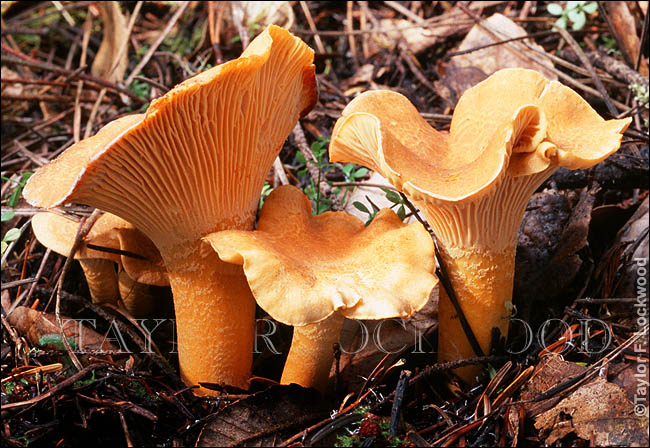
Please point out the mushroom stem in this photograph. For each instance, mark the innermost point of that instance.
(481, 272)
(101, 278)
(482, 281)
(312, 352)
(215, 321)
(136, 297)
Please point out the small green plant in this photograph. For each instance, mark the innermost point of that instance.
(253, 28)
(10, 236)
(640, 94)
(14, 197)
(319, 149)
(576, 12)
(610, 45)
(266, 191)
(140, 89)
(392, 196)
(83, 383)
(54, 340)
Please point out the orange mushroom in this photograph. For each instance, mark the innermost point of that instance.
(193, 164)
(508, 134)
(312, 271)
(139, 261)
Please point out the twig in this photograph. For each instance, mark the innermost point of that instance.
(501, 42)
(317, 39)
(62, 385)
(587, 64)
(443, 276)
(350, 27)
(26, 60)
(84, 227)
(136, 71)
(401, 9)
(402, 384)
(15, 283)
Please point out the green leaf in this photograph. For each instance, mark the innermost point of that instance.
(401, 212)
(361, 172)
(347, 169)
(578, 19)
(359, 206)
(300, 157)
(554, 9)
(590, 7)
(561, 22)
(393, 197)
(573, 5)
(8, 215)
(4, 247)
(11, 235)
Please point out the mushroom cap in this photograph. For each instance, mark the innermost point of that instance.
(143, 262)
(196, 161)
(302, 268)
(515, 122)
(58, 232)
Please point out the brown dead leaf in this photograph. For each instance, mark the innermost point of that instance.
(551, 371)
(34, 325)
(416, 38)
(625, 28)
(599, 412)
(266, 418)
(634, 237)
(488, 60)
(562, 268)
(111, 60)
(633, 376)
(546, 215)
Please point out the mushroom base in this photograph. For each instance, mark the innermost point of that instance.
(483, 282)
(101, 278)
(215, 322)
(136, 297)
(312, 353)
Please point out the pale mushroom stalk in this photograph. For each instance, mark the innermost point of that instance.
(101, 278)
(311, 272)
(136, 297)
(508, 134)
(193, 164)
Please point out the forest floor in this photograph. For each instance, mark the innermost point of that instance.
(574, 369)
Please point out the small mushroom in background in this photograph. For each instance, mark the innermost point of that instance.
(312, 271)
(139, 261)
(508, 134)
(193, 164)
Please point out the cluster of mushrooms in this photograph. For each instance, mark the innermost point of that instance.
(181, 184)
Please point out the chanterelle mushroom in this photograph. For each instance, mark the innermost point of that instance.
(194, 164)
(508, 134)
(312, 271)
(139, 261)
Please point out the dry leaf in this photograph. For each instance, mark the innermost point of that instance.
(624, 25)
(488, 60)
(554, 277)
(265, 418)
(415, 38)
(541, 229)
(634, 237)
(107, 65)
(34, 325)
(599, 412)
(263, 13)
